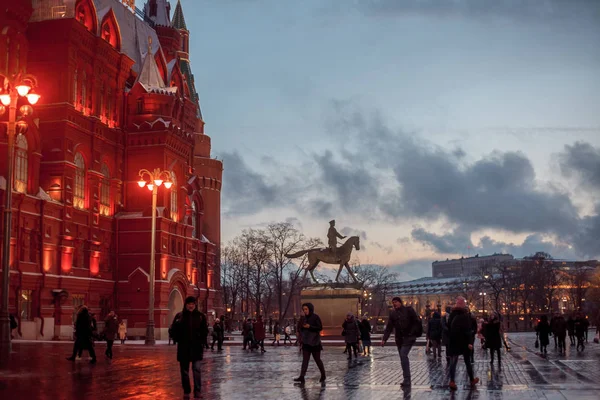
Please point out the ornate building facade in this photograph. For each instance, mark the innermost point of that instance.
(118, 95)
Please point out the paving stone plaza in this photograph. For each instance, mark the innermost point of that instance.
(40, 371)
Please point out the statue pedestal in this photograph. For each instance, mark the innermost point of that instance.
(332, 304)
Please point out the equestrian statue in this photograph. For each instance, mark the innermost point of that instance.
(331, 255)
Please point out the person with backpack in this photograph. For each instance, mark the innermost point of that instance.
(462, 337)
(408, 327)
(434, 331)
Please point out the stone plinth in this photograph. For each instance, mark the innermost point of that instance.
(332, 304)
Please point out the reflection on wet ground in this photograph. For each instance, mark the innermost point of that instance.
(40, 371)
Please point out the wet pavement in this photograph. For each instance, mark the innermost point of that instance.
(40, 371)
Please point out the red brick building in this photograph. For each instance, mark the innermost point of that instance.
(118, 95)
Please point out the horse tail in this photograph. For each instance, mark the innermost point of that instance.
(298, 254)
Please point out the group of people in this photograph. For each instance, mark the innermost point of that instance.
(357, 336)
(86, 332)
(254, 334)
(576, 327)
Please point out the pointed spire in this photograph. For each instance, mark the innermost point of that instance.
(150, 76)
(178, 21)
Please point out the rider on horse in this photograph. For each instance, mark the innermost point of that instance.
(332, 236)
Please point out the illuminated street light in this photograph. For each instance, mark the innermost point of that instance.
(155, 179)
(11, 90)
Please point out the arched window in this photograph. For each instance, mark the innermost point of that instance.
(75, 93)
(21, 163)
(174, 188)
(100, 111)
(110, 30)
(194, 220)
(84, 90)
(105, 191)
(109, 103)
(79, 189)
(86, 14)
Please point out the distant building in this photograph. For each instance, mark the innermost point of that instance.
(467, 266)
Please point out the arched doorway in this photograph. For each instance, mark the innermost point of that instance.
(175, 305)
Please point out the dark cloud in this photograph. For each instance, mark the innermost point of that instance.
(459, 242)
(347, 231)
(352, 183)
(394, 176)
(582, 160)
(453, 242)
(244, 190)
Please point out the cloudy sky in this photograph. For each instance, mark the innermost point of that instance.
(431, 128)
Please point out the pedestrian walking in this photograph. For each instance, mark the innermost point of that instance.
(581, 327)
(407, 326)
(84, 332)
(351, 333)
(553, 328)
(365, 335)
(434, 331)
(287, 332)
(259, 333)
(571, 329)
(276, 333)
(446, 332)
(248, 335)
(543, 332)
(122, 332)
(462, 337)
(492, 332)
(111, 326)
(190, 331)
(560, 330)
(13, 325)
(217, 335)
(311, 342)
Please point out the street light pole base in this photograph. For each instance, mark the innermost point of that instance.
(150, 341)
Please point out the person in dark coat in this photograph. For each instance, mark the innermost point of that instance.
(581, 327)
(462, 337)
(446, 331)
(543, 332)
(407, 326)
(351, 335)
(111, 327)
(492, 332)
(311, 341)
(190, 330)
(259, 333)
(365, 335)
(13, 325)
(552, 328)
(434, 332)
(83, 331)
(248, 335)
(276, 333)
(217, 335)
(560, 330)
(571, 329)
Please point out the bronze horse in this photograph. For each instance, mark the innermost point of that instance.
(315, 256)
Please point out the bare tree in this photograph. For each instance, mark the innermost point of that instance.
(378, 280)
(283, 239)
(232, 275)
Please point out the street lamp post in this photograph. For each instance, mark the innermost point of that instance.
(12, 89)
(155, 179)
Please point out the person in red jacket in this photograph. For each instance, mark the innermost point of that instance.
(259, 333)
